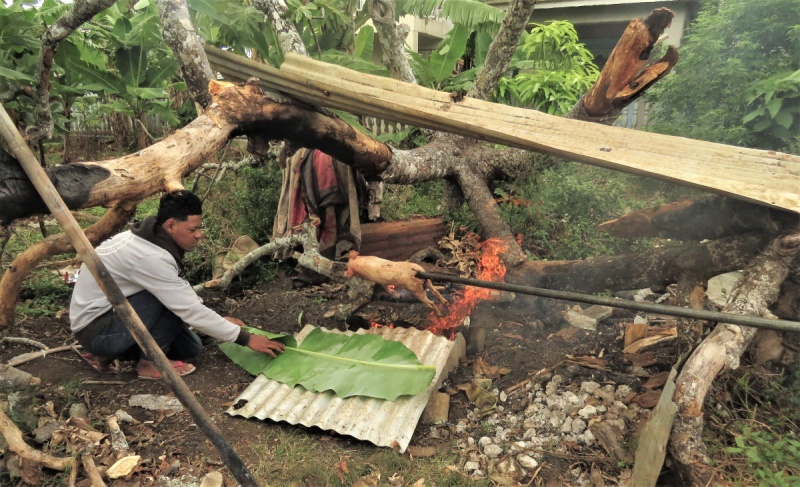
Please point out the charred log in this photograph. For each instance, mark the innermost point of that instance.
(711, 217)
(655, 268)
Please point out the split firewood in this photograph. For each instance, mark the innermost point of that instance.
(758, 287)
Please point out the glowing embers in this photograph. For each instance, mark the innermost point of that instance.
(490, 268)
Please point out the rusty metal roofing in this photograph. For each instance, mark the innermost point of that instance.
(384, 423)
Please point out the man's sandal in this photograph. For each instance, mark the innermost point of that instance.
(176, 365)
(103, 369)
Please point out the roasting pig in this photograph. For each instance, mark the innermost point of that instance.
(392, 275)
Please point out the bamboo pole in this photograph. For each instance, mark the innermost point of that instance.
(81, 243)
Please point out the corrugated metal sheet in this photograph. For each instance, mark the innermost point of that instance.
(381, 422)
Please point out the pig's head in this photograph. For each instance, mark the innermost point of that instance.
(353, 254)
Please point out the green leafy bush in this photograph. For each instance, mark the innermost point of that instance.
(736, 80)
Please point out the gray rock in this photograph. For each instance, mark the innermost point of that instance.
(589, 387)
(527, 462)
(503, 396)
(598, 312)
(639, 320)
(578, 426)
(485, 441)
(579, 320)
(492, 451)
(551, 388)
(479, 474)
(471, 466)
(566, 427)
(587, 412)
(622, 392)
(529, 433)
(471, 441)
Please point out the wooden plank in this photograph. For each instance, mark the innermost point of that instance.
(763, 177)
(382, 239)
(653, 442)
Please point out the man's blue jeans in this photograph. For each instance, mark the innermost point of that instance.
(168, 330)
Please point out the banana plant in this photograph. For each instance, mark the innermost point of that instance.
(143, 67)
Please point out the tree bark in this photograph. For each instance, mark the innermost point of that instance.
(11, 282)
(655, 268)
(502, 49)
(180, 36)
(710, 217)
(392, 37)
(621, 82)
(81, 11)
(757, 289)
(276, 11)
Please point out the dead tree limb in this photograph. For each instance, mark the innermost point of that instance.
(502, 49)
(392, 37)
(16, 444)
(757, 289)
(654, 268)
(622, 79)
(11, 282)
(225, 280)
(710, 217)
(277, 12)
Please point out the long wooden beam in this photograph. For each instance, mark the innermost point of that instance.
(764, 177)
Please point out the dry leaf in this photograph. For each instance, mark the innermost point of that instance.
(419, 483)
(656, 381)
(511, 335)
(422, 451)
(634, 333)
(482, 368)
(396, 480)
(479, 396)
(341, 470)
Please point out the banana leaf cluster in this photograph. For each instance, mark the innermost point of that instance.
(356, 365)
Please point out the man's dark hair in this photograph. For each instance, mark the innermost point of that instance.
(179, 205)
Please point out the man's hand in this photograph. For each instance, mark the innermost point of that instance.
(260, 343)
(235, 321)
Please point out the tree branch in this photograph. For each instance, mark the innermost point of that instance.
(622, 80)
(180, 36)
(81, 11)
(502, 49)
(392, 37)
(276, 11)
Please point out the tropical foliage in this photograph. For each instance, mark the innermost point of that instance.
(356, 365)
(737, 81)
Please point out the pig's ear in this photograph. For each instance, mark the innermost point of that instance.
(353, 254)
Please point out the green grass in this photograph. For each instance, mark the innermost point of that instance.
(287, 456)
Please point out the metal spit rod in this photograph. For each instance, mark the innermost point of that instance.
(698, 314)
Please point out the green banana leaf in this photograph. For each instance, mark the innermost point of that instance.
(250, 360)
(357, 365)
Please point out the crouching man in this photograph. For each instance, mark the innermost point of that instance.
(147, 264)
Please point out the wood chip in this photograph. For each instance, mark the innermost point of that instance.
(657, 381)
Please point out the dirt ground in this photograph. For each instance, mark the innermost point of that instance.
(174, 452)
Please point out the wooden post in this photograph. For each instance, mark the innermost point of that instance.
(53, 200)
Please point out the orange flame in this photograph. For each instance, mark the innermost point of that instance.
(490, 268)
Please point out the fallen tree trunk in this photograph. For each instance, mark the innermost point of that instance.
(654, 268)
(11, 282)
(757, 289)
(711, 217)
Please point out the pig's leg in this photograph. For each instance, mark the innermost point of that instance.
(416, 288)
(429, 285)
(390, 289)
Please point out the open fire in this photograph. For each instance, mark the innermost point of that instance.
(490, 268)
